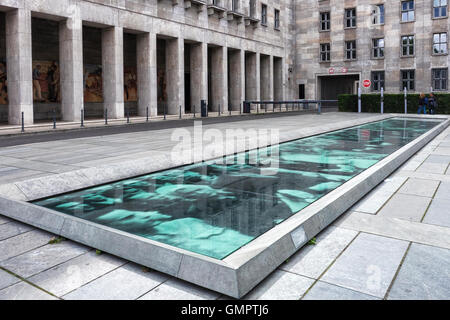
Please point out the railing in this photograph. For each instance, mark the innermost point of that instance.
(293, 105)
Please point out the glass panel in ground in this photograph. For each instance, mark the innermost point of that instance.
(214, 209)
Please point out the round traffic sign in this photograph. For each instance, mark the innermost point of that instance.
(367, 83)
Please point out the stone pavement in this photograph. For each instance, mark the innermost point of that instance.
(393, 244)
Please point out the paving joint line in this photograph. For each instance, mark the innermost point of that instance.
(330, 265)
(388, 291)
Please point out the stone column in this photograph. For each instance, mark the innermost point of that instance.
(199, 74)
(237, 78)
(266, 78)
(175, 75)
(252, 77)
(278, 79)
(71, 68)
(19, 66)
(113, 72)
(147, 74)
(219, 78)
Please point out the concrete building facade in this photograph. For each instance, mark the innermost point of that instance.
(394, 44)
(129, 56)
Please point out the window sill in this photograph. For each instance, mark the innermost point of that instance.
(406, 57)
(350, 28)
(264, 24)
(379, 58)
(277, 29)
(323, 31)
(439, 54)
(378, 24)
(412, 21)
(439, 18)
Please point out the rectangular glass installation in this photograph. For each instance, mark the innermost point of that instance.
(215, 209)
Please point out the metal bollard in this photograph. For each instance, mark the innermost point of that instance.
(319, 107)
(229, 109)
(147, 114)
(359, 100)
(164, 107)
(128, 115)
(219, 109)
(106, 117)
(23, 122)
(194, 112)
(240, 108)
(382, 101)
(82, 118)
(180, 112)
(54, 119)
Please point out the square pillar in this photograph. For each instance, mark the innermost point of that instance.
(175, 75)
(266, 78)
(19, 66)
(219, 78)
(199, 75)
(237, 78)
(112, 62)
(71, 68)
(252, 77)
(147, 74)
(278, 79)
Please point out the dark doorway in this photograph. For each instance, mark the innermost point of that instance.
(187, 92)
(330, 87)
(301, 91)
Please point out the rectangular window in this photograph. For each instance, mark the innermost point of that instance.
(350, 50)
(378, 48)
(325, 52)
(324, 21)
(440, 79)
(378, 14)
(407, 11)
(407, 46)
(264, 14)
(277, 19)
(440, 43)
(377, 80)
(350, 18)
(408, 80)
(439, 8)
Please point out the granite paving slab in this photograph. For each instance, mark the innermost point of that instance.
(420, 187)
(43, 258)
(313, 260)
(432, 167)
(13, 228)
(281, 285)
(443, 191)
(4, 219)
(7, 279)
(326, 291)
(124, 283)
(424, 275)
(368, 265)
(22, 243)
(438, 213)
(174, 289)
(408, 207)
(24, 291)
(75, 273)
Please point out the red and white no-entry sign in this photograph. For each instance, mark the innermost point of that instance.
(367, 83)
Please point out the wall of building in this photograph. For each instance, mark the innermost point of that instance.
(308, 39)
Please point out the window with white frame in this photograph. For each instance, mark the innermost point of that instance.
(439, 8)
(378, 48)
(350, 18)
(408, 79)
(408, 11)
(440, 79)
(325, 52)
(378, 14)
(440, 43)
(324, 21)
(407, 46)
(350, 50)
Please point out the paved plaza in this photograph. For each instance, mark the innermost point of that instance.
(393, 244)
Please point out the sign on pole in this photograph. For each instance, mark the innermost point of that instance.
(367, 83)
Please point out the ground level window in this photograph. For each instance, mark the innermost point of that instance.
(377, 80)
(408, 80)
(440, 79)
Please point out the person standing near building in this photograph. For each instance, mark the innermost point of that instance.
(37, 92)
(432, 104)
(422, 104)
